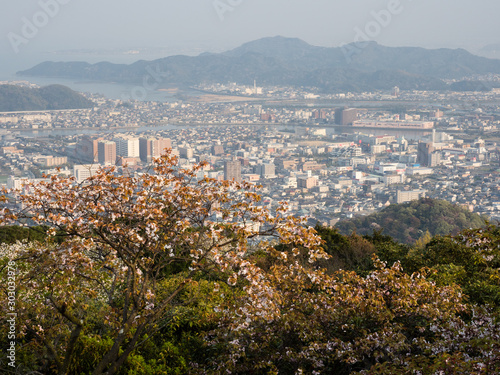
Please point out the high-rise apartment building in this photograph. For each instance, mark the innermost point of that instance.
(186, 152)
(346, 116)
(425, 151)
(232, 170)
(150, 148)
(127, 147)
(106, 152)
(87, 149)
(266, 170)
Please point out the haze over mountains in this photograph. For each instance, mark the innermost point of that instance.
(292, 62)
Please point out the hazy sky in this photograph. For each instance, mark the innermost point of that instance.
(192, 26)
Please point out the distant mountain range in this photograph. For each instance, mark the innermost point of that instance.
(17, 98)
(291, 62)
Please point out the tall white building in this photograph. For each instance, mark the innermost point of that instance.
(82, 172)
(266, 170)
(232, 170)
(408, 196)
(186, 152)
(127, 147)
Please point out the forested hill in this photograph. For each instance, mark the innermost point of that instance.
(408, 222)
(53, 97)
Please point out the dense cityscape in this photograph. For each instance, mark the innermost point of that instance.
(328, 160)
(249, 187)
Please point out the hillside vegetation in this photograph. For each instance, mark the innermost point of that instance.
(408, 222)
(53, 97)
(130, 274)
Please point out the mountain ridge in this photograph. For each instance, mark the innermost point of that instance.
(292, 62)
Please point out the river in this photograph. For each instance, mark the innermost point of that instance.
(44, 133)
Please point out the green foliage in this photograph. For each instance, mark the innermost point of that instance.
(90, 349)
(471, 259)
(347, 324)
(384, 321)
(351, 252)
(15, 233)
(365, 305)
(179, 339)
(387, 249)
(408, 222)
(424, 240)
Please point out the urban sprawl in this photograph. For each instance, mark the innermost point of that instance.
(330, 156)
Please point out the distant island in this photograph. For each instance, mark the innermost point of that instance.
(16, 98)
(293, 62)
(408, 222)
